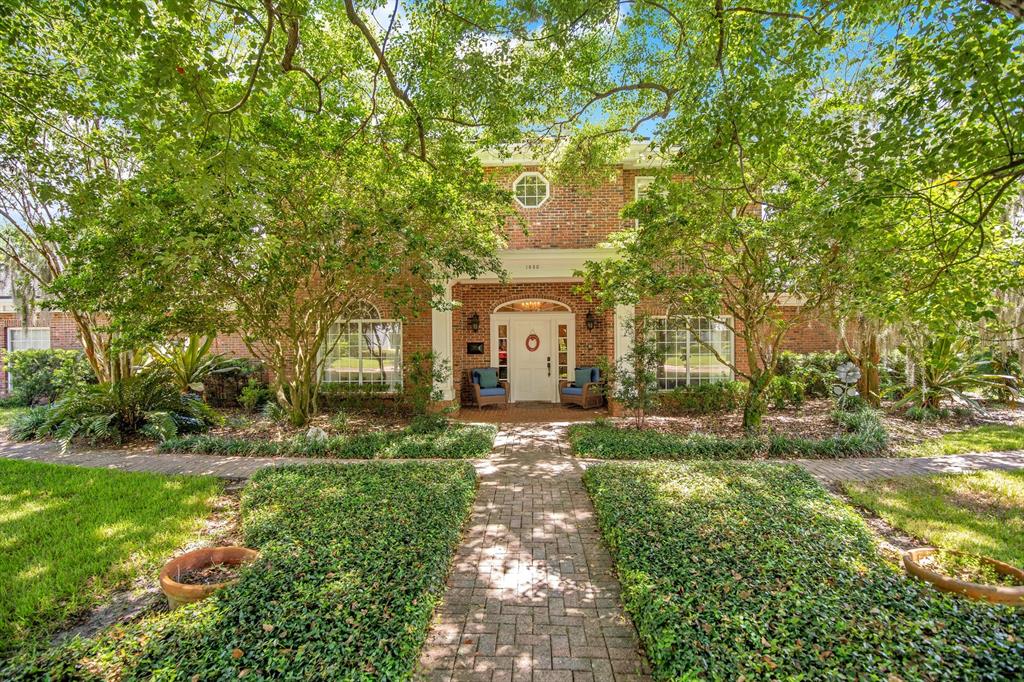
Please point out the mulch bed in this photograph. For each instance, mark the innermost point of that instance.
(208, 575)
(812, 421)
(242, 424)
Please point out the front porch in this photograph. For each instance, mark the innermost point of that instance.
(529, 413)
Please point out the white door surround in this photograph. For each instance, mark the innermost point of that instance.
(533, 374)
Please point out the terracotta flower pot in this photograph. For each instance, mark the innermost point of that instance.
(181, 593)
(997, 594)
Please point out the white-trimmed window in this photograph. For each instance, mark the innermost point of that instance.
(26, 338)
(686, 361)
(365, 351)
(641, 185)
(531, 190)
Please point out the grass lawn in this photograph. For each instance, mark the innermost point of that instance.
(978, 439)
(67, 534)
(751, 570)
(980, 513)
(9, 414)
(353, 562)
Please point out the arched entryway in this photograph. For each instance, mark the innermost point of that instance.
(533, 345)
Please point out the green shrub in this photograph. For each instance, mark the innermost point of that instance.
(865, 436)
(785, 392)
(721, 396)
(456, 441)
(45, 375)
(254, 394)
(353, 561)
(145, 404)
(26, 426)
(816, 371)
(754, 571)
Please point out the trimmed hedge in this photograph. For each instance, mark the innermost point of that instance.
(456, 441)
(865, 436)
(751, 571)
(353, 562)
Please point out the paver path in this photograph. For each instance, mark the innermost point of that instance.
(147, 459)
(864, 469)
(532, 595)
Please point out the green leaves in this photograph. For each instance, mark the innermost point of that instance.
(754, 570)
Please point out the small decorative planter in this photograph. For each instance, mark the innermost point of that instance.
(997, 594)
(183, 593)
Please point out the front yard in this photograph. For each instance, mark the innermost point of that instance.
(815, 430)
(70, 535)
(980, 513)
(353, 561)
(750, 570)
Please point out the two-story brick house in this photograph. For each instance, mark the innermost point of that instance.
(492, 321)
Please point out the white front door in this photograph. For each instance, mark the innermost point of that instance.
(531, 373)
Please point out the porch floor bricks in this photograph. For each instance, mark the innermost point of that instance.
(532, 595)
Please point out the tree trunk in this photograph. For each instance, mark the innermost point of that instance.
(298, 395)
(754, 406)
(870, 383)
(1014, 7)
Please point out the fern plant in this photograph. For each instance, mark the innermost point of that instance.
(189, 361)
(147, 404)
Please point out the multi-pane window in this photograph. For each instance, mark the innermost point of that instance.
(686, 358)
(26, 338)
(503, 352)
(364, 351)
(531, 190)
(563, 351)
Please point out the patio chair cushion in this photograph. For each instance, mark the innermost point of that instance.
(571, 390)
(487, 377)
(486, 392)
(583, 376)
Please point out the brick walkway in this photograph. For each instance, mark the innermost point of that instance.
(147, 459)
(832, 470)
(532, 595)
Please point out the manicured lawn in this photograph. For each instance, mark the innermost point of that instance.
(67, 534)
(9, 414)
(863, 435)
(753, 570)
(980, 513)
(353, 561)
(457, 441)
(978, 439)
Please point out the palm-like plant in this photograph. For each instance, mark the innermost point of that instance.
(189, 361)
(947, 369)
(147, 403)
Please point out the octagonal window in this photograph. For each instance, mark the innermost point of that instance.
(531, 190)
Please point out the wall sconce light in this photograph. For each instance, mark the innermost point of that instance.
(474, 323)
(591, 320)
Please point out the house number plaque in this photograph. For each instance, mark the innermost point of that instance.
(532, 342)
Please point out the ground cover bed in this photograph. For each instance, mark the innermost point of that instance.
(69, 535)
(748, 570)
(855, 434)
(353, 561)
(450, 441)
(978, 513)
(811, 431)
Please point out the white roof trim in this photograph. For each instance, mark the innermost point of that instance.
(638, 155)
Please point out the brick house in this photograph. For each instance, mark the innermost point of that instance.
(491, 321)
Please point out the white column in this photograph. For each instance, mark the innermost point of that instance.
(623, 334)
(441, 344)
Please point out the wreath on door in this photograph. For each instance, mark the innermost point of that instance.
(532, 342)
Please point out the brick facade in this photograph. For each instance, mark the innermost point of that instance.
(482, 299)
(573, 217)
